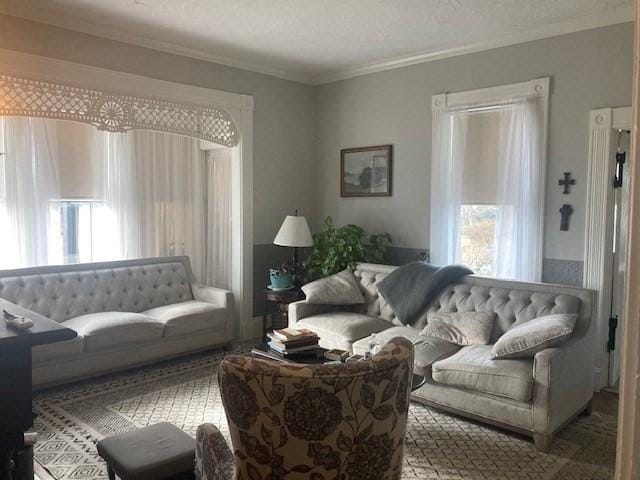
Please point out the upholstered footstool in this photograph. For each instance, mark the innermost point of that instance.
(155, 452)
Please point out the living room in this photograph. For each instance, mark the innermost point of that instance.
(173, 157)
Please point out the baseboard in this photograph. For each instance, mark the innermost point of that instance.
(597, 379)
(251, 329)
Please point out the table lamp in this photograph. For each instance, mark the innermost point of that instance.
(295, 233)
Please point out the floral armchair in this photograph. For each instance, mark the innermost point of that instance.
(316, 422)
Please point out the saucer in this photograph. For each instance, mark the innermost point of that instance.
(279, 289)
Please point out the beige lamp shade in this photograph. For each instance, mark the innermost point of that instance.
(294, 232)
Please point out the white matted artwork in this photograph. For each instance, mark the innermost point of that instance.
(366, 171)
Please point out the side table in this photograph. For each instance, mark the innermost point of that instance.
(280, 299)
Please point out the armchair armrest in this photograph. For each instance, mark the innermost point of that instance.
(303, 309)
(563, 378)
(216, 296)
(214, 460)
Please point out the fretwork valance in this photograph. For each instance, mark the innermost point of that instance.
(113, 113)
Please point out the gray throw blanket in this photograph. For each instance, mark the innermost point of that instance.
(409, 289)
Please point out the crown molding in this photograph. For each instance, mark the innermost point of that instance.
(623, 15)
(71, 22)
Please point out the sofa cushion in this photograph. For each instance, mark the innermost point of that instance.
(426, 350)
(528, 338)
(473, 368)
(113, 329)
(188, 317)
(461, 328)
(341, 329)
(339, 289)
(51, 351)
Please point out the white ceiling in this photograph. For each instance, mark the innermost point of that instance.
(316, 41)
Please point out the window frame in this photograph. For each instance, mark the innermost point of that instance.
(537, 89)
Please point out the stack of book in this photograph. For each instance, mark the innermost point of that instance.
(289, 341)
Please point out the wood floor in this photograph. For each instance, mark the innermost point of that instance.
(606, 402)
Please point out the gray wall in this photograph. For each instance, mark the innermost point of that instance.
(589, 69)
(299, 129)
(284, 117)
(284, 121)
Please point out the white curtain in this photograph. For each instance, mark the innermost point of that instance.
(219, 238)
(446, 183)
(150, 194)
(29, 183)
(116, 229)
(155, 189)
(519, 188)
(519, 221)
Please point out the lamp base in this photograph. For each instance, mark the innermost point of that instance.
(298, 271)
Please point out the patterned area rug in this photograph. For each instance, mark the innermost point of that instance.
(185, 392)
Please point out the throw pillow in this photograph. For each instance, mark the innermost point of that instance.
(526, 339)
(339, 289)
(461, 328)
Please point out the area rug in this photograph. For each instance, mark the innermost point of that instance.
(71, 419)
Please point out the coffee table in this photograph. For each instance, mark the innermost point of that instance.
(314, 357)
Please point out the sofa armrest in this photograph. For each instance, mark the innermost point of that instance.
(303, 309)
(216, 296)
(563, 385)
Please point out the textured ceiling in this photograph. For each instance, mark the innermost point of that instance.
(319, 40)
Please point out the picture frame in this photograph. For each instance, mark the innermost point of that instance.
(366, 171)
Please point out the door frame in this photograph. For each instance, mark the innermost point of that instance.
(238, 106)
(598, 257)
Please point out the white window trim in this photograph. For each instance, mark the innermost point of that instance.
(538, 88)
(238, 106)
(598, 257)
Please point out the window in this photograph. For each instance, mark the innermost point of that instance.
(77, 235)
(74, 194)
(487, 180)
(477, 237)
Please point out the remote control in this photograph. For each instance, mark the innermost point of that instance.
(16, 322)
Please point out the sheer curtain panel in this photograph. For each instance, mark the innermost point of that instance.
(29, 182)
(520, 202)
(219, 245)
(446, 183)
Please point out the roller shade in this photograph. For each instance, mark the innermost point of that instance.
(76, 151)
(481, 154)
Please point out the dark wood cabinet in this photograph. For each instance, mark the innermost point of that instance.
(16, 415)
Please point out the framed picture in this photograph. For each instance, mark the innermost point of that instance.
(366, 171)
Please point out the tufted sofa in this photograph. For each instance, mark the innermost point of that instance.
(125, 313)
(535, 396)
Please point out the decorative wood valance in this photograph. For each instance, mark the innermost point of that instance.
(111, 112)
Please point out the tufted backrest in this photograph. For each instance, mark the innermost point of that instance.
(511, 301)
(68, 291)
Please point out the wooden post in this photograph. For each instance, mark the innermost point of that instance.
(628, 457)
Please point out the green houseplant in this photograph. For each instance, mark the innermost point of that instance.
(337, 248)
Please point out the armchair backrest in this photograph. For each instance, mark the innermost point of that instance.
(298, 421)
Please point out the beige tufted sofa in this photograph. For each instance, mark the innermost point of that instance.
(534, 396)
(126, 313)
